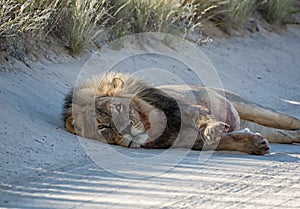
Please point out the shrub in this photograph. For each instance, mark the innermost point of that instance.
(276, 11)
(224, 12)
(30, 17)
(78, 21)
(239, 11)
(135, 16)
(86, 17)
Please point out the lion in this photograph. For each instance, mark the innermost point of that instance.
(121, 109)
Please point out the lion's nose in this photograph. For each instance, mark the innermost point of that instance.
(127, 130)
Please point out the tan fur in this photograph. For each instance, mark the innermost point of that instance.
(251, 111)
(69, 125)
(204, 114)
(108, 85)
(214, 102)
(272, 125)
(274, 135)
(244, 142)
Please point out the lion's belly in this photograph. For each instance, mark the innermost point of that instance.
(216, 104)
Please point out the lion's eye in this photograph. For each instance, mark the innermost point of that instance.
(119, 107)
(102, 127)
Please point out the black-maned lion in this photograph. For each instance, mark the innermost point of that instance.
(121, 109)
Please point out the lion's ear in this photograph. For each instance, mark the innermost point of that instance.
(70, 125)
(117, 83)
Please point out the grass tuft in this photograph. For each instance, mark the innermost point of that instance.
(85, 16)
(30, 17)
(276, 11)
(136, 16)
(224, 12)
(239, 11)
(77, 22)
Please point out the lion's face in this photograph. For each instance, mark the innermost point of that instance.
(114, 121)
(118, 119)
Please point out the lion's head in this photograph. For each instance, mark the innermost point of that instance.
(81, 98)
(129, 122)
(118, 121)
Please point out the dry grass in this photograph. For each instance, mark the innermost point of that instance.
(239, 11)
(37, 18)
(31, 17)
(136, 16)
(85, 16)
(223, 12)
(276, 11)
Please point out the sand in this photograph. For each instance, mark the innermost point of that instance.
(43, 166)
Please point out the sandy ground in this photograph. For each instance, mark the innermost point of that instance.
(43, 166)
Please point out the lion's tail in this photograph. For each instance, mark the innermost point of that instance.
(265, 116)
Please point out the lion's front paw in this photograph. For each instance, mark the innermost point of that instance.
(214, 132)
(257, 145)
(135, 141)
(134, 145)
(128, 141)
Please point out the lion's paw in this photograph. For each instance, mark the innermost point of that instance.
(213, 133)
(134, 145)
(257, 145)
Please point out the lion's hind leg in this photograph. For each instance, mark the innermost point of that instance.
(247, 142)
(273, 135)
(251, 111)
